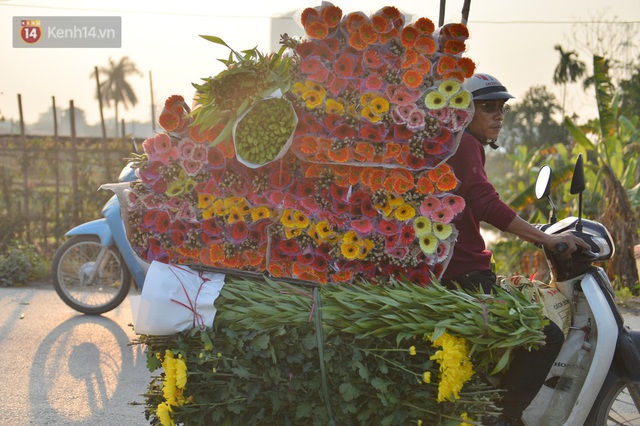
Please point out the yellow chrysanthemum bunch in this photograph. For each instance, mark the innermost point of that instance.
(455, 366)
(175, 380)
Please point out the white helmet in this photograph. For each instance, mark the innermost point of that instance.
(486, 87)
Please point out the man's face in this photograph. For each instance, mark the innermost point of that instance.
(487, 120)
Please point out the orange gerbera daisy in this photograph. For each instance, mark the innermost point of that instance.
(342, 277)
(317, 30)
(339, 155)
(424, 185)
(356, 41)
(425, 44)
(445, 64)
(392, 150)
(331, 15)
(425, 25)
(308, 16)
(364, 152)
(409, 58)
(447, 182)
(412, 78)
(376, 180)
(367, 33)
(353, 21)
(386, 37)
(306, 144)
(381, 23)
(196, 134)
(455, 30)
(169, 121)
(454, 47)
(466, 66)
(423, 65)
(408, 36)
(436, 173)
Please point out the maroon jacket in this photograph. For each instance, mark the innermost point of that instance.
(482, 204)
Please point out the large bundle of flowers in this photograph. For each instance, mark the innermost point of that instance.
(323, 162)
(344, 355)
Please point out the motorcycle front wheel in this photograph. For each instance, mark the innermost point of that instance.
(618, 403)
(85, 285)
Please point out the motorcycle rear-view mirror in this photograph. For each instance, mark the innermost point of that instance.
(543, 189)
(543, 182)
(577, 187)
(577, 182)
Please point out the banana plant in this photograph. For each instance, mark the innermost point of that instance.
(612, 149)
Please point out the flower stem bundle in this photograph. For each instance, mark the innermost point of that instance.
(390, 354)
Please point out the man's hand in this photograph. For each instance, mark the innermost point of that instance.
(564, 244)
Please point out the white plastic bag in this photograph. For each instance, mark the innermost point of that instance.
(175, 298)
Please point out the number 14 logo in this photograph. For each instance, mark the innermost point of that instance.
(30, 31)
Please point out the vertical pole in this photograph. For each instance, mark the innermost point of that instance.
(75, 196)
(153, 106)
(25, 172)
(465, 11)
(443, 6)
(105, 147)
(56, 166)
(102, 123)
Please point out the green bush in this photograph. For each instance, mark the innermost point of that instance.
(20, 264)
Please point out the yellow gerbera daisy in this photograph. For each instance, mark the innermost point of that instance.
(422, 226)
(334, 107)
(442, 231)
(460, 100)
(405, 212)
(449, 88)
(288, 219)
(350, 251)
(260, 212)
(379, 105)
(428, 244)
(324, 230)
(435, 100)
(292, 232)
(300, 220)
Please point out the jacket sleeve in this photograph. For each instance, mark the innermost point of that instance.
(480, 195)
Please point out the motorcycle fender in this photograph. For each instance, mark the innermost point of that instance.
(607, 337)
(98, 227)
(629, 351)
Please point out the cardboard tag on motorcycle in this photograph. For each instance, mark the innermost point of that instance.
(175, 298)
(555, 305)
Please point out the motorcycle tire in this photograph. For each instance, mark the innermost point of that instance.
(70, 270)
(617, 403)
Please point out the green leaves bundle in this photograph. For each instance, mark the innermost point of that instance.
(260, 363)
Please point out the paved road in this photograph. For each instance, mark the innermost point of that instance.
(59, 367)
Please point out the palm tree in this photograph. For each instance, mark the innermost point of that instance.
(568, 70)
(116, 88)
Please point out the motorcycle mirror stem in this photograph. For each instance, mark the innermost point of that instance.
(578, 187)
(543, 189)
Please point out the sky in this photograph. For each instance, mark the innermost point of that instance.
(510, 39)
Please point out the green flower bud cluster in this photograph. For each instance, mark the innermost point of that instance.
(264, 130)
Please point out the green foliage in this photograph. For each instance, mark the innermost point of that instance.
(249, 77)
(19, 264)
(261, 363)
(612, 151)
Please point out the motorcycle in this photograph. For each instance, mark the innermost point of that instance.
(93, 270)
(607, 390)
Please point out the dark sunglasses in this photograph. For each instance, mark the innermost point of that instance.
(492, 107)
